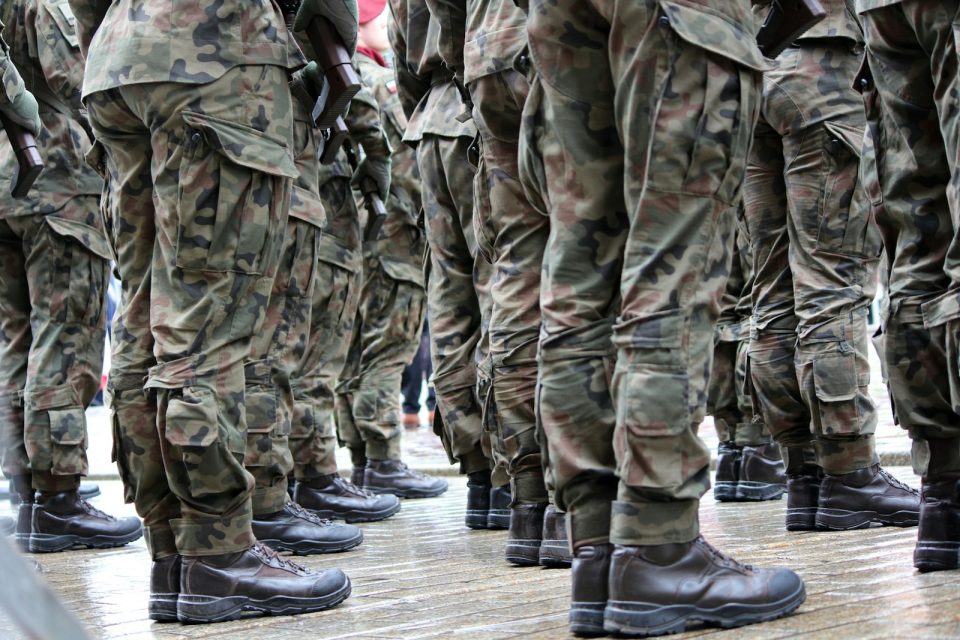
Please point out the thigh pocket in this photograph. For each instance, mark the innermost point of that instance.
(836, 388)
(234, 187)
(78, 268)
(707, 103)
(652, 400)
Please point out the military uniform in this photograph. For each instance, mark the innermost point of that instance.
(393, 299)
(55, 262)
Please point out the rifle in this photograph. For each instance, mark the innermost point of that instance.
(376, 211)
(29, 164)
(341, 81)
(787, 21)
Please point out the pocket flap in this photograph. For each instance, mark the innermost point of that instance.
(244, 145)
(51, 398)
(67, 426)
(62, 14)
(711, 30)
(192, 418)
(850, 136)
(90, 237)
(835, 377)
(404, 271)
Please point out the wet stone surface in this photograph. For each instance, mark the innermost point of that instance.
(422, 574)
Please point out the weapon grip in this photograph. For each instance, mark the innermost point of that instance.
(334, 61)
(29, 163)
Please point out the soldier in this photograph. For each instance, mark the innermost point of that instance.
(749, 465)
(640, 217)
(392, 296)
(910, 156)
(815, 250)
(458, 295)
(193, 117)
(52, 291)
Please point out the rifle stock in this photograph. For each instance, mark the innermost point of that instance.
(787, 21)
(29, 163)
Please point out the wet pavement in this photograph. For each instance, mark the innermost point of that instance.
(422, 574)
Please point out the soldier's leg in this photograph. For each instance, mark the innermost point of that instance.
(906, 170)
(723, 406)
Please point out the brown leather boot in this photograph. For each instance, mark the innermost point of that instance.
(164, 589)
(478, 499)
(658, 589)
(223, 587)
(938, 539)
(554, 548)
(26, 497)
(295, 529)
(333, 497)
(499, 516)
(525, 535)
(803, 496)
(728, 472)
(864, 497)
(65, 520)
(590, 578)
(393, 476)
(762, 474)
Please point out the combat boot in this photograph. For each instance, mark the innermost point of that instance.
(938, 539)
(525, 535)
(64, 520)
(393, 476)
(164, 589)
(590, 579)
(803, 496)
(871, 495)
(554, 548)
(658, 589)
(223, 587)
(87, 490)
(728, 472)
(478, 499)
(499, 517)
(297, 530)
(356, 476)
(26, 498)
(762, 474)
(333, 497)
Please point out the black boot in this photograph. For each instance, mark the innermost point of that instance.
(478, 499)
(803, 496)
(554, 548)
(297, 530)
(728, 472)
(26, 497)
(164, 589)
(590, 578)
(65, 520)
(526, 531)
(762, 475)
(333, 497)
(864, 497)
(499, 517)
(938, 539)
(393, 476)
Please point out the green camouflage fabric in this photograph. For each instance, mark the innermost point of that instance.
(141, 41)
(55, 265)
(458, 295)
(636, 258)
(12, 82)
(910, 154)
(199, 186)
(816, 250)
(272, 369)
(479, 37)
(392, 297)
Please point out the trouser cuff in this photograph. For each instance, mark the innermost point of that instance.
(380, 449)
(845, 455)
(268, 500)
(161, 542)
(936, 458)
(528, 488)
(589, 524)
(647, 523)
(752, 434)
(474, 460)
(211, 536)
(52, 483)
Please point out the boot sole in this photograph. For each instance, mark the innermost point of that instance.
(355, 516)
(311, 547)
(49, 543)
(936, 556)
(725, 491)
(498, 519)
(636, 619)
(846, 520)
(586, 619)
(555, 557)
(759, 491)
(407, 493)
(802, 519)
(476, 519)
(523, 553)
(197, 609)
(162, 607)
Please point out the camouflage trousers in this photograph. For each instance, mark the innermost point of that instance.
(313, 435)
(386, 336)
(52, 330)
(911, 155)
(815, 249)
(199, 180)
(728, 395)
(458, 297)
(511, 234)
(634, 266)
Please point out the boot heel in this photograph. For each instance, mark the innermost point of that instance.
(724, 491)
(936, 556)
(759, 491)
(194, 609)
(162, 607)
(633, 618)
(802, 519)
(844, 520)
(586, 619)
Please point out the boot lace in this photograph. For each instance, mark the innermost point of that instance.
(299, 512)
(345, 484)
(93, 511)
(893, 482)
(722, 558)
(270, 557)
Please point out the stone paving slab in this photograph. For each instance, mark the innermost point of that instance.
(422, 574)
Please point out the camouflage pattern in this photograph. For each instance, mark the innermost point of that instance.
(636, 260)
(10, 77)
(910, 153)
(272, 369)
(197, 208)
(458, 284)
(393, 300)
(55, 267)
(816, 249)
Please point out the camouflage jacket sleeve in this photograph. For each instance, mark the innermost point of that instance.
(452, 16)
(89, 14)
(50, 32)
(411, 86)
(363, 123)
(12, 82)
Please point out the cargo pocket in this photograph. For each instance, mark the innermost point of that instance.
(844, 222)
(79, 267)
(835, 385)
(713, 67)
(191, 418)
(68, 441)
(873, 144)
(233, 191)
